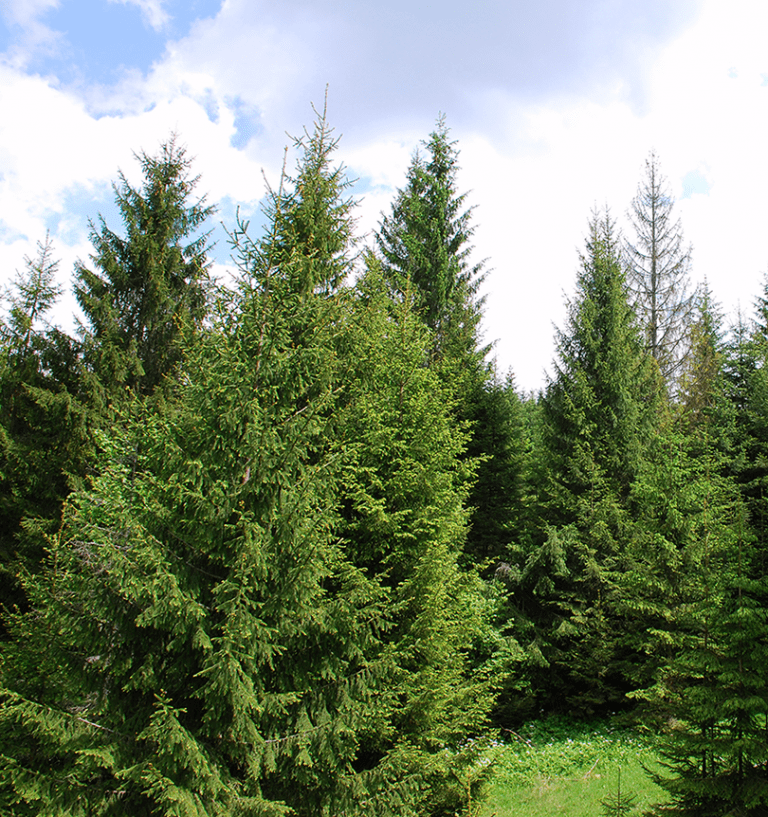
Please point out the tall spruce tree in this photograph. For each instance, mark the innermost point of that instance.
(716, 683)
(147, 293)
(425, 249)
(659, 269)
(599, 411)
(704, 596)
(209, 647)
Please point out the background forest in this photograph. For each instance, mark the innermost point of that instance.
(289, 544)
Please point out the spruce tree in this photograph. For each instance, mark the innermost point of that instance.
(708, 611)
(681, 495)
(425, 247)
(210, 648)
(599, 412)
(406, 522)
(659, 265)
(44, 434)
(717, 750)
(146, 296)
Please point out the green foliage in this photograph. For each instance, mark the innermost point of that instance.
(209, 649)
(425, 249)
(618, 803)
(500, 498)
(312, 224)
(599, 413)
(560, 766)
(716, 746)
(600, 406)
(44, 434)
(406, 523)
(147, 296)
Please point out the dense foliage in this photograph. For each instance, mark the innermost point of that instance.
(291, 545)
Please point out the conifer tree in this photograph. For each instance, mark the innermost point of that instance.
(701, 375)
(718, 752)
(747, 391)
(209, 646)
(406, 522)
(500, 497)
(425, 247)
(599, 411)
(44, 440)
(706, 607)
(659, 265)
(147, 294)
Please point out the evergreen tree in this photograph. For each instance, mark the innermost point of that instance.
(701, 376)
(148, 293)
(599, 412)
(602, 402)
(425, 247)
(706, 609)
(501, 496)
(659, 266)
(209, 646)
(682, 494)
(718, 752)
(44, 440)
(747, 391)
(406, 522)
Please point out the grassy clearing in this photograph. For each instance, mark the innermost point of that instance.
(558, 767)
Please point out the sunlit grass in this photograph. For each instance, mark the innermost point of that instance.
(557, 767)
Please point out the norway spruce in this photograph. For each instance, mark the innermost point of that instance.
(599, 411)
(406, 523)
(146, 293)
(45, 444)
(209, 647)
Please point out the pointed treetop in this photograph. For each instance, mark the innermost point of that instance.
(659, 271)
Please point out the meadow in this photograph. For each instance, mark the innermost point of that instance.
(560, 767)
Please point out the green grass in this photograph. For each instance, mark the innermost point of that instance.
(558, 767)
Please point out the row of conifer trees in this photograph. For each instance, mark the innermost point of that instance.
(288, 544)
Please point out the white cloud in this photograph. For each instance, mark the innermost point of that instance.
(152, 11)
(33, 37)
(535, 163)
(25, 12)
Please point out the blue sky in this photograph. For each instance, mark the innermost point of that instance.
(555, 106)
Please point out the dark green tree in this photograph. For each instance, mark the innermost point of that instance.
(659, 270)
(210, 648)
(44, 439)
(407, 523)
(681, 498)
(425, 248)
(705, 601)
(718, 752)
(599, 413)
(146, 295)
(701, 378)
(425, 245)
(501, 497)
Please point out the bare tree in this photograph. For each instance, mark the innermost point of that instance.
(659, 272)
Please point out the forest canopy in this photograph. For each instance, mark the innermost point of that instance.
(290, 544)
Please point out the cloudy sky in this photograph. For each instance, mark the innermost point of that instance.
(555, 105)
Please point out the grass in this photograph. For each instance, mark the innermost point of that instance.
(559, 767)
